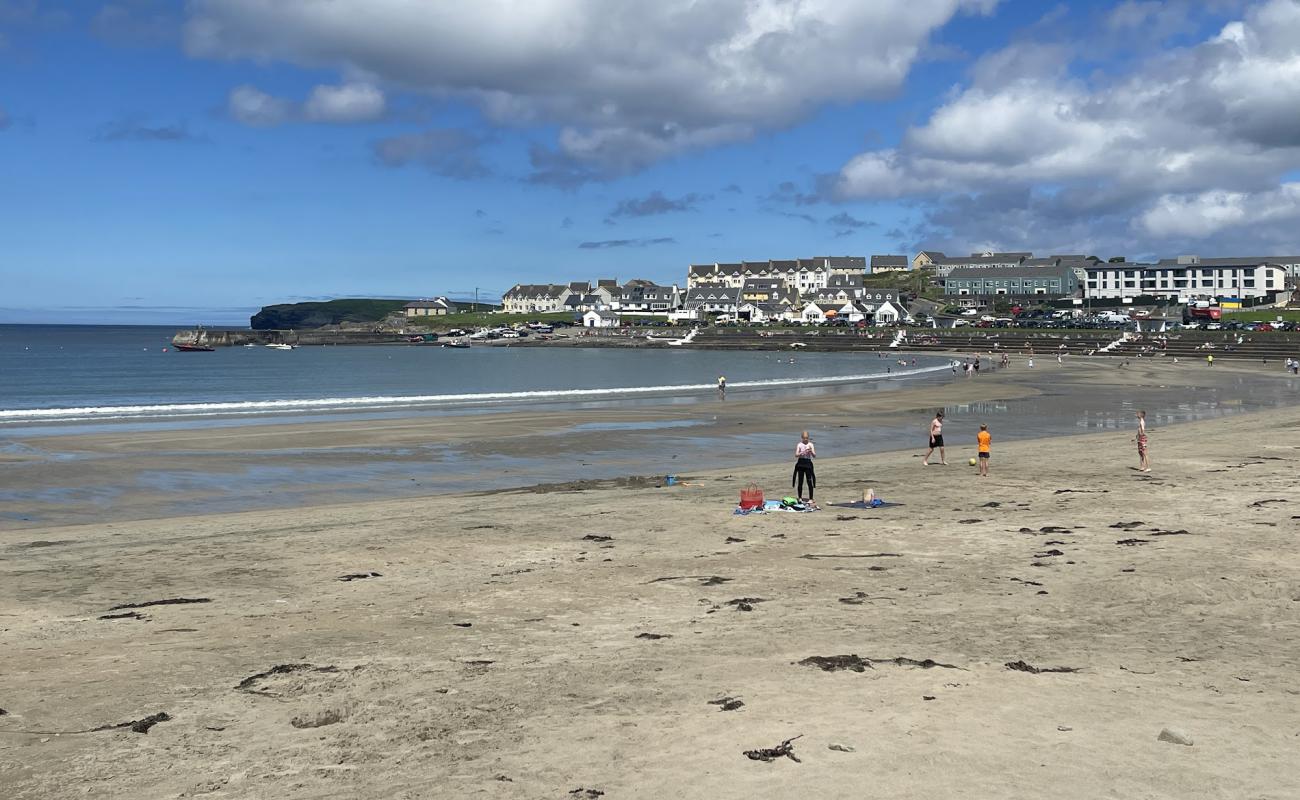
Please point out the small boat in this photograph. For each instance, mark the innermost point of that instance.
(457, 345)
(280, 346)
(194, 348)
(250, 344)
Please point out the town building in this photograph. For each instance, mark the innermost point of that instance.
(1187, 278)
(799, 274)
(889, 264)
(601, 319)
(712, 298)
(535, 298)
(646, 297)
(437, 307)
(889, 314)
(980, 284)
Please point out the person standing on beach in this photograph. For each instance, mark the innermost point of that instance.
(1209, 361)
(804, 453)
(722, 387)
(936, 440)
(985, 440)
(1144, 463)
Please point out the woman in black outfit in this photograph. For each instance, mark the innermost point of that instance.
(804, 453)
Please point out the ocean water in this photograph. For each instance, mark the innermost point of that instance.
(80, 373)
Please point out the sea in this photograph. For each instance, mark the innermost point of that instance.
(70, 374)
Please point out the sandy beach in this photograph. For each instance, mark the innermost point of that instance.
(624, 639)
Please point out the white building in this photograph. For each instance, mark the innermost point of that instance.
(713, 298)
(601, 319)
(889, 264)
(533, 298)
(888, 314)
(814, 314)
(803, 275)
(1186, 278)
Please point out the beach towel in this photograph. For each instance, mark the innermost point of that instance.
(773, 506)
(858, 504)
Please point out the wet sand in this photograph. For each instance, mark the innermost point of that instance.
(531, 644)
(131, 471)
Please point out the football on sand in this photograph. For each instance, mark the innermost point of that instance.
(972, 462)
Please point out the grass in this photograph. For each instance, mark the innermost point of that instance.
(1266, 315)
(312, 315)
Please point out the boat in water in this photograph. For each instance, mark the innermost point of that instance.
(281, 346)
(457, 345)
(194, 348)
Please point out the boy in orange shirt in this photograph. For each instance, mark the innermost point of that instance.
(985, 439)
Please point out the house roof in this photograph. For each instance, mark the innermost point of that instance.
(889, 261)
(843, 262)
(437, 302)
(536, 290)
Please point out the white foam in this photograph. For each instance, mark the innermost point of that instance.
(406, 401)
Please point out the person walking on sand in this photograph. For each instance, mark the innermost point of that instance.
(804, 453)
(985, 440)
(1144, 462)
(722, 387)
(936, 440)
(1209, 361)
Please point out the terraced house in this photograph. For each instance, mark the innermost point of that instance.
(979, 284)
(535, 298)
(798, 275)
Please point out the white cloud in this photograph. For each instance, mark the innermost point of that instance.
(1193, 143)
(654, 79)
(1209, 213)
(351, 102)
(252, 106)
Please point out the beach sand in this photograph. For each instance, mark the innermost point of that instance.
(501, 643)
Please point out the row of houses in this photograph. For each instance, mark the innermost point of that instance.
(798, 274)
(1181, 279)
(636, 296)
(833, 286)
(764, 299)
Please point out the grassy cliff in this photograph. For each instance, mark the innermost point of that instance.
(331, 312)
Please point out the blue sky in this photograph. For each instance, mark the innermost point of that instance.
(183, 162)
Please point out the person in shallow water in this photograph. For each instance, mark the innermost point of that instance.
(804, 453)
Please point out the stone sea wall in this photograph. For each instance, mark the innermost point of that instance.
(214, 337)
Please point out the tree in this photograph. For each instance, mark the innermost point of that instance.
(1001, 305)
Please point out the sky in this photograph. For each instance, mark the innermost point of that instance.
(185, 162)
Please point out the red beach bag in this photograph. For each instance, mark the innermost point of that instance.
(751, 497)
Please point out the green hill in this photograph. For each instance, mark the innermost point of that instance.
(330, 312)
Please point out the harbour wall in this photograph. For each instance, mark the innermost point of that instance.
(214, 337)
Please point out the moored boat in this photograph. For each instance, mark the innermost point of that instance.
(194, 348)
